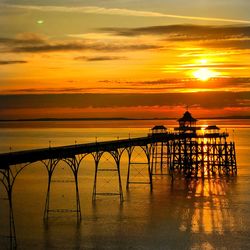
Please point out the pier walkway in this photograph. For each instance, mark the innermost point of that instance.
(33, 155)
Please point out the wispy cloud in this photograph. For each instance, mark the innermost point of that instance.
(74, 45)
(11, 62)
(187, 84)
(185, 32)
(243, 44)
(99, 58)
(26, 38)
(36, 44)
(119, 11)
(211, 66)
(237, 37)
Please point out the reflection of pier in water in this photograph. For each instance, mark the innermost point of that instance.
(193, 213)
(189, 151)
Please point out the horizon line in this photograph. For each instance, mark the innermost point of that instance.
(117, 118)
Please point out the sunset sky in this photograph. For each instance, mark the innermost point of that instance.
(124, 58)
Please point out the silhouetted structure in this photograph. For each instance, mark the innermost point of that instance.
(158, 129)
(187, 122)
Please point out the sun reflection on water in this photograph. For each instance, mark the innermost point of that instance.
(209, 212)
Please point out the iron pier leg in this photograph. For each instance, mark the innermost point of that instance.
(50, 166)
(46, 208)
(116, 156)
(150, 169)
(161, 157)
(95, 180)
(128, 174)
(75, 167)
(78, 206)
(12, 233)
(155, 157)
(202, 160)
(235, 162)
(120, 181)
(13, 243)
(8, 182)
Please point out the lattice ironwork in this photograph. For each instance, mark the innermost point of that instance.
(7, 178)
(116, 156)
(191, 158)
(138, 160)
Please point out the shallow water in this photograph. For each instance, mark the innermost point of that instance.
(209, 214)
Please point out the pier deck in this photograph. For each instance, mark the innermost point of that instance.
(33, 155)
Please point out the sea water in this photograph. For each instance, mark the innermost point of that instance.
(202, 214)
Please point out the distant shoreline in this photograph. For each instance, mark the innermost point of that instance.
(118, 119)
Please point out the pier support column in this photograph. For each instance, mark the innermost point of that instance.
(50, 166)
(74, 165)
(234, 170)
(136, 161)
(129, 150)
(8, 181)
(159, 158)
(97, 157)
(8, 176)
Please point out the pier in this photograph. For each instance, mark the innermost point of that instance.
(188, 151)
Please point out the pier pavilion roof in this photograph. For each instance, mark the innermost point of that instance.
(187, 121)
(212, 127)
(187, 117)
(159, 129)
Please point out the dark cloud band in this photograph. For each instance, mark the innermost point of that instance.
(209, 100)
(11, 62)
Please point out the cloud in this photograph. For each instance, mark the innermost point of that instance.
(11, 62)
(151, 86)
(118, 11)
(204, 36)
(185, 32)
(237, 37)
(210, 66)
(235, 83)
(30, 43)
(208, 100)
(99, 58)
(229, 44)
(71, 46)
(26, 38)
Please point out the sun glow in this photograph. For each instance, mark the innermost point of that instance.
(204, 74)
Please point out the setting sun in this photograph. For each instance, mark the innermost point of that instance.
(204, 74)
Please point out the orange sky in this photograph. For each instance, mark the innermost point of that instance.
(116, 47)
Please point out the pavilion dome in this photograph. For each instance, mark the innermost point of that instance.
(158, 129)
(187, 117)
(212, 127)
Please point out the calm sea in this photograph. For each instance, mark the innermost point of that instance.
(209, 214)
